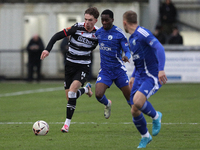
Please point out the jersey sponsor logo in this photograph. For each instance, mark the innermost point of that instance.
(110, 37)
(136, 56)
(102, 47)
(84, 40)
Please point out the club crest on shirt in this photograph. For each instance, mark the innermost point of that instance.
(110, 37)
(134, 42)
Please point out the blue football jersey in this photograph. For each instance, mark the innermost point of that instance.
(111, 43)
(142, 43)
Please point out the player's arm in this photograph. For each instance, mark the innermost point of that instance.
(58, 36)
(125, 47)
(131, 81)
(161, 60)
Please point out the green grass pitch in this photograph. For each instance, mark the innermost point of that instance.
(21, 104)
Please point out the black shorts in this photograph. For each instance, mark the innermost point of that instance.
(74, 71)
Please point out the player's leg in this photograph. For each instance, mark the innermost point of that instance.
(100, 89)
(71, 105)
(141, 125)
(137, 100)
(148, 88)
(122, 82)
(73, 82)
(103, 82)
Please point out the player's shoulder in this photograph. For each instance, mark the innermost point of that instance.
(119, 30)
(143, 32)
(96, 28)
(99, 30)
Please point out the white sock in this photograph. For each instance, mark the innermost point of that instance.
(156, 117)
(108, 105)
(146, 135)
(67, 122)
(86, 89)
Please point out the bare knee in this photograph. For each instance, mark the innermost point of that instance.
(135, 111)
(99, 94)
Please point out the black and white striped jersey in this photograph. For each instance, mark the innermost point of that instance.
(81, 44)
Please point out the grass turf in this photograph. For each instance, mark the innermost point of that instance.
(89, 130)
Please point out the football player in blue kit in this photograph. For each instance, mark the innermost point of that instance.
(149, 60)
(111, 42)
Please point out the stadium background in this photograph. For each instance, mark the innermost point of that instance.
(19, 20)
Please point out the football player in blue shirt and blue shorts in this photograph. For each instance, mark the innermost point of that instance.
(149, 60)
(111, 42)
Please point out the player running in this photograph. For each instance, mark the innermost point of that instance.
(149, 59)
(78, 59)
(111, 42)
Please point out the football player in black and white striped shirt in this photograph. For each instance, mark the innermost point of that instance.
(78, 59)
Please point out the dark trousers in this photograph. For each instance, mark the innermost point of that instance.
(31, 68)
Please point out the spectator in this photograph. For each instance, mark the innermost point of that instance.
(34, 48)
(168, 14)
(159, 34)
(175, 37)
(64, 48)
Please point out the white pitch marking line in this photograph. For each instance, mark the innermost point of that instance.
(15, 123)
(31, 91)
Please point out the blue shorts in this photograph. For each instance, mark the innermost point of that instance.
(146, 85)
(119, 77)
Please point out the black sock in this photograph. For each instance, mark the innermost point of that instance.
(71, 106)
(80, 92)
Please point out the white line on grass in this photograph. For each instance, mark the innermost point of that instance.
(31, 91)
(16, 123)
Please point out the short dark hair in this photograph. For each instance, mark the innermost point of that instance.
(108, 12)
(92, 11)
(130, 16)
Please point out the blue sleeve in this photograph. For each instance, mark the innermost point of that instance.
(125, 47)
(160, 54)
(154, 43)
(133, 74)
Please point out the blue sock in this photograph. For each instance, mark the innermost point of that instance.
(140, 124)
(103, 100)
(148, 109)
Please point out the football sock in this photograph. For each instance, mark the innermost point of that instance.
(86, 89)
(148, 109)
(156, 117)
(140, 124)
(146, 135)
(67, 122)
(103, 100)
(81, 91)
(71, 106)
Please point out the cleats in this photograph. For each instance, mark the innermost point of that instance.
(157, 124)
(144, 141)
(88, 85)
(65, 128)
(107, 110)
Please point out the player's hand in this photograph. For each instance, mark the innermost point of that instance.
(131, 81)
(162, 77)
(44, 54)
(125, 59)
